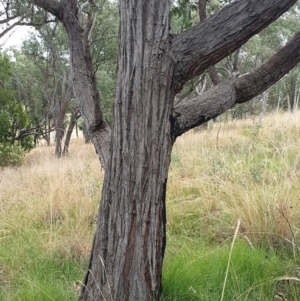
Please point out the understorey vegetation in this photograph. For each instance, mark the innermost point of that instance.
(232, 216)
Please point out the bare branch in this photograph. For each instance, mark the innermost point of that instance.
(21, 23)
(8, 19)
(52, 6)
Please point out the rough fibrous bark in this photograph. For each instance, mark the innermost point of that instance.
(195, 111)
(127, 257)
(129, 244)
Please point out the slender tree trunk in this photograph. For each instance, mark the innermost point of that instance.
(296, 102)
(292, 94)
(85, 133)
(48, 133)
(59, 134)
(126, 262)
(74, 116)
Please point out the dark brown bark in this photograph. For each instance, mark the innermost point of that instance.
(129, 244)
(127, 256)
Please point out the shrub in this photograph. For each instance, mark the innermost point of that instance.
(11, 155)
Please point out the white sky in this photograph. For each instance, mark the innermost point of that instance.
(15, 37)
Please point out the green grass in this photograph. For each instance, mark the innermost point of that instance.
(31, 272)
(194, 271)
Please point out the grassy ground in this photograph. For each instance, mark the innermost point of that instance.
(232, 171)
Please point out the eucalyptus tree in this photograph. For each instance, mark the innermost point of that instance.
(28, 86)
(58, 87)
(153, 66)
(98, 48)
(46, 49)
(77, 19)
(103, 46)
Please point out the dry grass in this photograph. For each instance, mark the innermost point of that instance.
(237, 170)
(234, 170)
(60, 196)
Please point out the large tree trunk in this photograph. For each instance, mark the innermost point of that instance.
(128, 249)
(129, 245)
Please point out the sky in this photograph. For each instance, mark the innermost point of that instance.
(15, 37)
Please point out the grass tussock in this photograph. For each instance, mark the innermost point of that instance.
(236, 170)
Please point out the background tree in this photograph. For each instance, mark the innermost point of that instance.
(28, 83)
(102, 40)
(13, 120)
(57, 83)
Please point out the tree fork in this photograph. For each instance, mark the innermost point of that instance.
(130, 241)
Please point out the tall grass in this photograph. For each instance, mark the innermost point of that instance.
(233, 170)
(237, 171)
(196, 272)
(47, 214)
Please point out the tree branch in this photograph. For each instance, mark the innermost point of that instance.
(202, 46)
(52, 6)
(194, 112)
(20, 23)
(6, 20)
